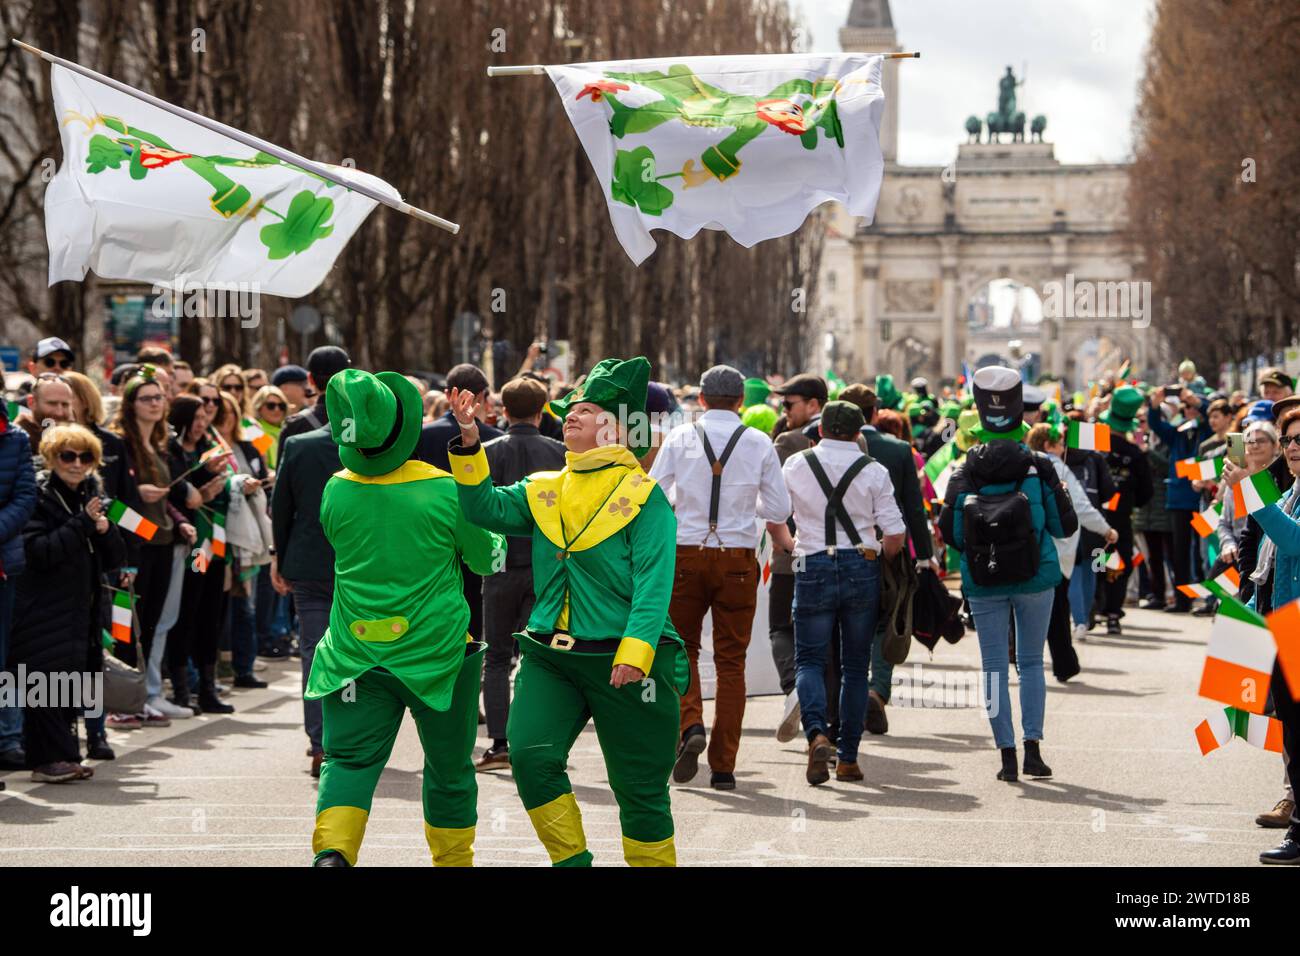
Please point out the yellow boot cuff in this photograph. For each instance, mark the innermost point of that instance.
(559, 827)
(450, 847)
(662, 853)
(341, 829)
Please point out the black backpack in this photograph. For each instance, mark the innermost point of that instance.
(1000, 543)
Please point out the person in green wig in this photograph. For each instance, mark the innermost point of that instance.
(599, 644)
(763, 417)
(756, 392)
(397, 636)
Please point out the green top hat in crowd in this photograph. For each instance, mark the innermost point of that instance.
(374, 419)
(1121, 416)
(756, 392)
(887, 393)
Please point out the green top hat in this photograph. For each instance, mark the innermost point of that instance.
(617, 386)
(887, 393)
(756, 392)
(1124, 403)
(374, 419)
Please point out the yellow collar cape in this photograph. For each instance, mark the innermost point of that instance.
(598, 493)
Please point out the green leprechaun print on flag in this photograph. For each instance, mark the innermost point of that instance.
(146, 195)
(746, 144)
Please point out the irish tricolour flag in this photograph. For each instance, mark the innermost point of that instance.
(1087, 435)
(1256, 729)
(1206, 469)
(1239, 659)
(1285, 625)
(1229, 582)
(259, 439)
(122, 617)
(1255, 492)
(1207, 521)
(131, 520)
(939, 468)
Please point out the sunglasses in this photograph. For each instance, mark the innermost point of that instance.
(309, 393)
(239, 387)
(208, 400)
(51, 362)
(68, 457)
(790, 403)
(1286, 440)
(275, 406)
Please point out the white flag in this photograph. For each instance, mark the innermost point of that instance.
(146, 195)
(747, 144)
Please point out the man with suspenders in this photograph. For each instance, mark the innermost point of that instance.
(840, 496)
(720, 475)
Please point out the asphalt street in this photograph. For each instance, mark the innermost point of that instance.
(1130, 785)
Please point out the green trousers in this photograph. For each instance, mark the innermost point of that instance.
(556, 693)
(361, 723)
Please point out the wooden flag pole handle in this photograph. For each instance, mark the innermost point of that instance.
(252, 142)
(536, 69)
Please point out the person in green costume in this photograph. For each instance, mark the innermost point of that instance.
(397, 635)
(599, 644)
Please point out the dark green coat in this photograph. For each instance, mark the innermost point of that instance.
(897, 458)
(307, 461)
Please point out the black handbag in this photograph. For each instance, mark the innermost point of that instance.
(124, 690)
(935, 612)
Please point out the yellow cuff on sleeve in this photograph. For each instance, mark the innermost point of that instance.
(634, 651)
(470, 469)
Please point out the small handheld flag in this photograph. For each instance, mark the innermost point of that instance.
(125, 517)
(1207, 522)
(1229, 582)
(1255, 493)
(1113, 503)
(256, 437)
(1206, 469)
(122, 617)
(1257, 730)
(1088, 436)
(1285, 625)
(1239, 658)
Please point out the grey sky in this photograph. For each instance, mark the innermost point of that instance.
(1084, 59)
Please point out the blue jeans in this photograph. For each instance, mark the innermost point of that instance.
(882, 672)
(11, 718)
(1083, 588)
(314, 600)
(243, 633)
(993, 625)
(272, 611)
(843, 589)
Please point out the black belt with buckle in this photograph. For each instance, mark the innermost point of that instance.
(562, 641)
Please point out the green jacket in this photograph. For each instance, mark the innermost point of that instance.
(896, 456)
(303, 553)
(604, 545)
(399, 599)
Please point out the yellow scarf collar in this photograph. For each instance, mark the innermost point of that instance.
(600, 457)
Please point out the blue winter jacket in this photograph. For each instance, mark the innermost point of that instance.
(1179, 493)
(1285, 533)
(17, 495)
(994, 468)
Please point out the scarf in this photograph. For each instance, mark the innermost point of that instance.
(1267, 547)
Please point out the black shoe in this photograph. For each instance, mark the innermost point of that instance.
(13, 759)
(209, 702)
(719, 780)
(97, 748)
(1008, 771)
(272, 651)
(1151, 604)
(1112, 626)
(1177, 608)
(1034, 766)
(249, 681)
(877, 722)
(331, 858)
(1287, 853)
(688, 754)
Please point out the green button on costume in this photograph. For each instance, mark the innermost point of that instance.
(604, 550)
(397, 634)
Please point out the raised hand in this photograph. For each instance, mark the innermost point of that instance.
(465, 409)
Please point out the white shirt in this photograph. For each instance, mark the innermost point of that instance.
(869, 500)
(751, 482)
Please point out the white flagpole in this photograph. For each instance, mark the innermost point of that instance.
(537, 69)
(248, 140)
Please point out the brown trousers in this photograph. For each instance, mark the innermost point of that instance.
(724, 581)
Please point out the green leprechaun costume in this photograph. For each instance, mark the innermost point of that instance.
(604, 547)
(397, 633)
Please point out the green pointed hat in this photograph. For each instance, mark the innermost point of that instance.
(619, 387)
(374, 419)
(1122, 413)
